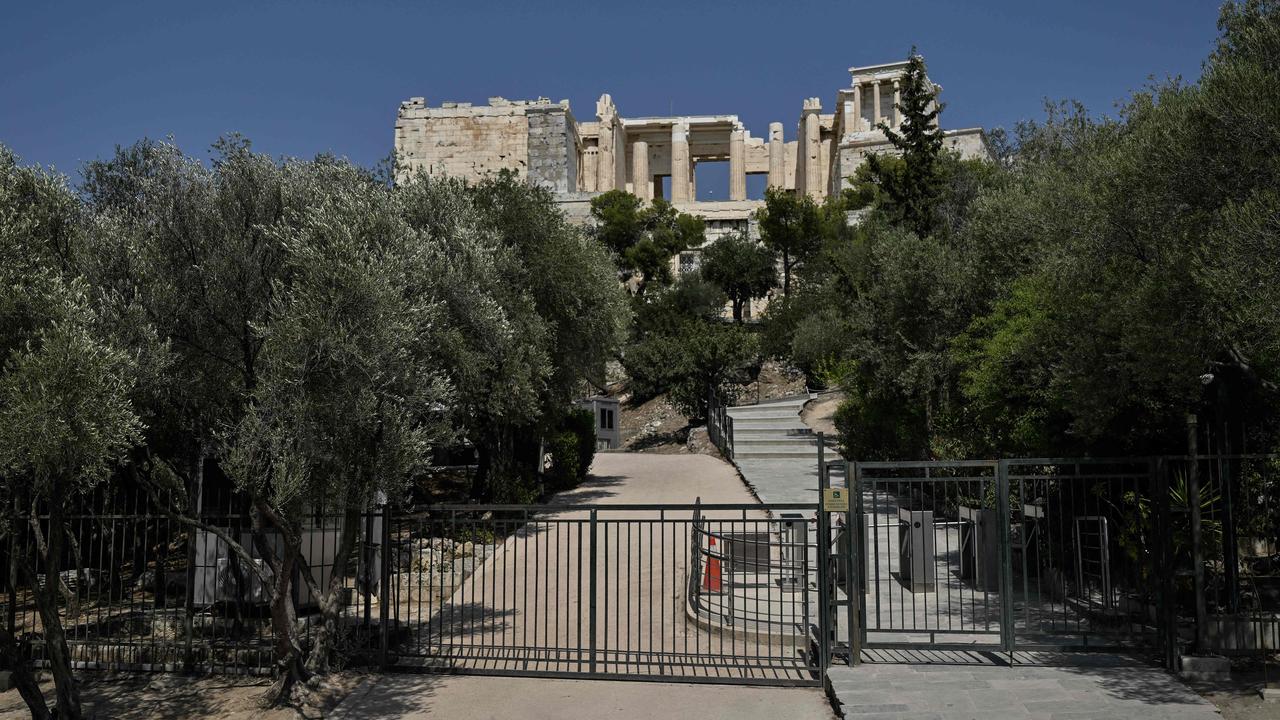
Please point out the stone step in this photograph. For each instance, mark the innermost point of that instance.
(768, 423)
(779, 452)
(766, 443)
(752, 432)
(764, 413)
(789, 400)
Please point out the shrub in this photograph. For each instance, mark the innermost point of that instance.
(689, 360)
(714, 356)
(572, 449)
(691, 298)
(653, 364)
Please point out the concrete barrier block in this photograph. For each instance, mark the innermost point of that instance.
(1204, 668)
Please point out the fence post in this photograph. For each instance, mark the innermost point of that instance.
(11, 580)
(1166, 613)
(853, 578)
(1230, 542)
(1197, 548)
(591, 625)
(189, 602)
(824, 564)
(384, 578)
(1006, 558)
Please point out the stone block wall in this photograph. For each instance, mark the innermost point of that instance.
(537, 139)
(462, 141)
(553, 148)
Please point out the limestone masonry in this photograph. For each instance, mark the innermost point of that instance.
(542, 140)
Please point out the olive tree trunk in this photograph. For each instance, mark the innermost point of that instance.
(290, 670)
(323, 655)
(55, 638)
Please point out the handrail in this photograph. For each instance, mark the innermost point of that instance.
(719, 424)
(605, 507)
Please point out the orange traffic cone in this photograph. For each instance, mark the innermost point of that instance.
(711, 580)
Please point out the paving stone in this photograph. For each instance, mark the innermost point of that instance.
(1073, 691)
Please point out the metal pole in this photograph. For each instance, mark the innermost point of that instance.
(384, 575)
(11, 577)
(824, 563)
(1167, 615)
(1006, 558)
(1197, 549)
(591, 591)
(364, 560)
(195, 503)
(853, 548)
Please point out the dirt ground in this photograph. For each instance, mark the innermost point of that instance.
(819, 413)
(1238, 699)
(655, 426)
(127, 696)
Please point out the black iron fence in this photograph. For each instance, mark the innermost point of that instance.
(690, 592)
(1009, 554)
(719, 424)
(1077, 554)
(715, 593)
(140, 589)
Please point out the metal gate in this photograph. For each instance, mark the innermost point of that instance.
(1028, 554)
(716, 593)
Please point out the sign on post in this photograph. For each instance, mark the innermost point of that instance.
(835, 500)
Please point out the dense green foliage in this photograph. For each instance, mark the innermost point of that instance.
(572, 448)
(742, 268)
(679, 343)
(66, 380)
(790, 226)
(643, 238)
(911, 187)
(1081, 293)
(311, 330)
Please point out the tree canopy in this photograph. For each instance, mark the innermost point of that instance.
(1081, 292)
(741, 267)
(643, 238)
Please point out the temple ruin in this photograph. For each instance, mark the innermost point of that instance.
(541, 140)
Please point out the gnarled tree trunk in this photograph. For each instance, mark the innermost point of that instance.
(14, 659)
(290, 670)
(55, 639)
(323, 652)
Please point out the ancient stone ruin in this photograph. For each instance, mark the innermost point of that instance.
(542, 140)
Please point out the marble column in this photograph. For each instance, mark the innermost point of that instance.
(812, 150)
(590, 168)
(737, 165)
(875, 91)
(680, 185)
(605, 167)
(777, 156)
(641, 181)
(857, 109)
(897, 100)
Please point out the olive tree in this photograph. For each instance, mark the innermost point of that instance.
(66, 416)
(742, 268)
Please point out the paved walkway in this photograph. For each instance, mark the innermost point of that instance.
(618, 478)
(1036, 687)
(528, 607)
(454, 697)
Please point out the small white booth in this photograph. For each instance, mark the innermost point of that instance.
(604, 410)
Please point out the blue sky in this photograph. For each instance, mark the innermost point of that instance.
(298, 78)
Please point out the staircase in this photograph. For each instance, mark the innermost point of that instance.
(772, 429)
(776, 453)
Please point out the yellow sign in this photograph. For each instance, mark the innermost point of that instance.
(835, 500)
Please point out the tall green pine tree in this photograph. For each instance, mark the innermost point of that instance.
(915, 189)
